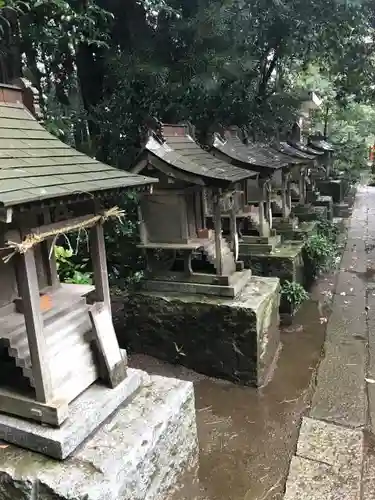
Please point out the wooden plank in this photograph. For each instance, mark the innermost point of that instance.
(285, 208)
(29, 291)
(192, 245)
(140, 166)
(48, 255)
(142, 227)
(234, 233)
(54, 413)
(55, 226)
(218, 230)
(6, 215)
(111, 359)
(268, 205)
(99, 264)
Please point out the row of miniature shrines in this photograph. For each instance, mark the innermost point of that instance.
(204, 215)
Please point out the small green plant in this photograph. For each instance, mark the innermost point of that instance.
(327, 229)
(69, 271)
(320, 254)
(293, 293)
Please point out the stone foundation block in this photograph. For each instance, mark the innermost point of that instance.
(235, 339)
(138, 453)
(300, 233)
(332, 187)
(285, 262)
(311, 213)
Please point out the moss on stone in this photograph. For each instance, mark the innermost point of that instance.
(235, 339)
(285, 263)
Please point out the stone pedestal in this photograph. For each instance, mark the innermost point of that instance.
(284, 262)
(296, 231)
(235, 339)
(325, 201)
(249, 244)
(138, 453)
(303, 231)
(96, 403)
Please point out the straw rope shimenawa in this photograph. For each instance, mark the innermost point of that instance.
(35, 238)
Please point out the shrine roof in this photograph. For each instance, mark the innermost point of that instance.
(285, 148)
(36, 166)
(178, 149)
(305, 149)
(321, 144)
(252, 155)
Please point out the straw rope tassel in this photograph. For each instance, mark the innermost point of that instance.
(35, 238)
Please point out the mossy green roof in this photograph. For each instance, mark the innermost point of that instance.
(36, 166)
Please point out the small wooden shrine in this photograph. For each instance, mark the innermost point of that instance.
(319, 142)
(330, 182)
(275, 172)
(182, 253)
(197, 305)
(259, 197)
(264, 252)
(304, 184)
(54, 346)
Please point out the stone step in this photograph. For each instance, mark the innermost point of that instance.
(18, 345)
(228, 261)
(58, 338)
(81, 360)
(13, 327)
(290, 223)
(267, 246)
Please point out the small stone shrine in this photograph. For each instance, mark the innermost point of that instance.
(62, 373)
(260, 246)
(197, 305)
(328, 182)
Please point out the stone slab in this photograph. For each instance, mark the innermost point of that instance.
(86, 414)
(310, 480)
(238, 281)
(336, 446)
(137, 454)
(284, 262)
(235, 339)
(368, 487)
(340, 395)
(370, 374)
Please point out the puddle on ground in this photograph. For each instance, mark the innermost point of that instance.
(247, 436)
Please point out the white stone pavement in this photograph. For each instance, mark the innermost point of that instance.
(335, 458)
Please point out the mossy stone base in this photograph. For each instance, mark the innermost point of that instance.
(310, 212)
(325, 201)
(300, 233)
(234, 339)
(285, 262)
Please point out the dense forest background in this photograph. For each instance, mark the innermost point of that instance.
(103, 67)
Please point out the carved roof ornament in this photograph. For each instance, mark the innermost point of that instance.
(30, 96)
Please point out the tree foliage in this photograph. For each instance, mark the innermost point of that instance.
(104, 67)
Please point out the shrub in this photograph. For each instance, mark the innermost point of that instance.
(69, 271)
(293, 293)
(327, 229)
(320, 254)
